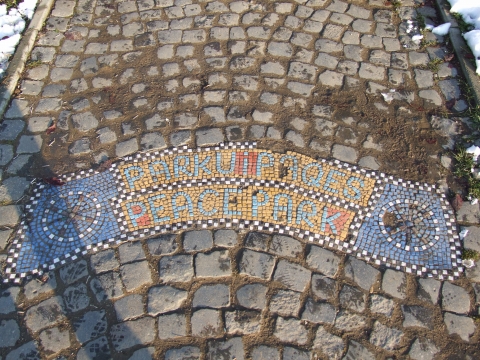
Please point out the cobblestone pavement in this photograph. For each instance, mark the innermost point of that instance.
(324, 78)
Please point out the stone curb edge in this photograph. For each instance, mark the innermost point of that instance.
(24, 48)
(461, 49)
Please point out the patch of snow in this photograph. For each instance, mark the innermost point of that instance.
(12, 24)
(441, 30)
(475, 151)
(470, 11)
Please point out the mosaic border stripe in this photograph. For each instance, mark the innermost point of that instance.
(349, 246)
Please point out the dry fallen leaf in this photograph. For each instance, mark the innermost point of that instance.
(54, 181)
(51, 129)
(457, 202)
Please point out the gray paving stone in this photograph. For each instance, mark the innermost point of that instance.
(292, 275)
(358, 351)
(80, 147)
(133, 332)
(9, 129)
(31, 87)
(106, 135)
(318, 312)
(180, 138)
(96, 348)
(256, 264)
(13, 188)
(371, 72)
(177, 268)
(264, 352)
(209, 136)
(183, 353)
(344, 153)
(323, 260)
(162, 299)
(290, 331)
(326, 60)
(172, 326)
(352, 298)
(450, 89)
(300, 88)
(207, 323)
(455, 299)
(395, 283)
(135, 275)
(163, 245)
(75, 298)
(45, 314)
(85, 121)
(73, 272)
(90, 326)
(424, 78)
(429, 290)
(39, 123)
(242, 322)
(26, 351)
(348, 321)
(381, 305)
(423, 349)
(415, 315)
(197, 240)
(285, 303)
(431, 97)
(29, 144)
(126, 147)
(469, 213)
(462, 326)
(143, 354)
(227, 349)
(20, 165)
(215, 264)
(54, 340)
(129, 307)
(286, 246)
(9, 215)
(329, 344)
(471, 241)
(6, 154)
(369, 162)
(225, 237)
(212, 296)
(107, 286)
(323, 287)
(361, 273)
(4, 236)
(10, 333)
(252, 296)
(385, 337)
(131, 251)
(290, 353)
(256, 240)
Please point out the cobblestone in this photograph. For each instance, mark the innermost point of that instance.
(174, 73)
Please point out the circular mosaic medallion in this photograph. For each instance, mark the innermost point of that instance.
(408, 224)
(75, 215)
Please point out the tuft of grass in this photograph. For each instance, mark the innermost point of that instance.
(462, 24)
(434, 64)
(10, 3)
(473, 110)
(424, 43)
(421, 21)
(468, 254)
(33, 63)
(463, 169)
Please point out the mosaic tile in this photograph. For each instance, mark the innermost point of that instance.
(383, 220)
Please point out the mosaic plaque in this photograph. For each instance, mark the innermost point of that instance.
(383, 220)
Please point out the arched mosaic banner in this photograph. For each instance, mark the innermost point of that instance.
(383, 220)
